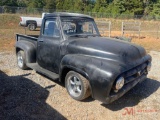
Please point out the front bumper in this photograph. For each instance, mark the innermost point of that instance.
(20, 24)
(132, 77)
(126, 88)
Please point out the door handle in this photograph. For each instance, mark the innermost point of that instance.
(40, 40)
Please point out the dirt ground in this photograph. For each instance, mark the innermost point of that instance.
(25, 94)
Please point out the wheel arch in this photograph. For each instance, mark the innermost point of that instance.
(31, 21)
(68, 68)
(29, 50)
(18, 49)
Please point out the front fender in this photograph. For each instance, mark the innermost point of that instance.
(101, 74)
(29, 50)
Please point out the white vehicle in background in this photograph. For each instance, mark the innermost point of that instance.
(31, 22)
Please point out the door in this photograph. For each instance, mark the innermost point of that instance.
(48, 49)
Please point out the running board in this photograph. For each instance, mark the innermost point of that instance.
(39, 69)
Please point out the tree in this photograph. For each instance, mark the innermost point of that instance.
(114, 7)
(68, 5)
(138, 7)
(8, 2)
(119, 7)
(100, 5)
(1, 3)
(59, 4)
(36, 3)
(21, 3)
(78, 6)
(156, 10)
(135, 7)
(83, 5)
(86, 5)
(50, 4)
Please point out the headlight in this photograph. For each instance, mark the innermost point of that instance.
(149, 66)
(119, 83)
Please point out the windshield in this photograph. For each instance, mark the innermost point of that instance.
(76, 26)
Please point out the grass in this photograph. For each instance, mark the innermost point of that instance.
(9, 27)
(7, 37)
(9, 21)
(148, 43)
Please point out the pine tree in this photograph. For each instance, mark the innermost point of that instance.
(68, 5)
(100, 5)
(59, 4)
(50, 4)
(36, 3)
(8, 2)
(156, 10)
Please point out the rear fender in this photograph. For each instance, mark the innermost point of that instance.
(29, 50)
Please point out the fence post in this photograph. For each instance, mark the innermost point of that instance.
(157, 31)
(139, 30)
(3, 9)
(25, 30)
(109, 28)
(122, 29)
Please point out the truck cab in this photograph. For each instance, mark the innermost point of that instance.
(70, 49)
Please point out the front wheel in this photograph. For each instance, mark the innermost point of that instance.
(21, 60)
(77, 86)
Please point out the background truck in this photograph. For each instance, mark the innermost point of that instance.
(31, 22)
(71, 50)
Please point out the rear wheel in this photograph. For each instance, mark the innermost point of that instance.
(77, 86)
(31, 26)
(21, 61)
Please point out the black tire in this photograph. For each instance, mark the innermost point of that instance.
(84, 87)
(21, 61)
(31, 26)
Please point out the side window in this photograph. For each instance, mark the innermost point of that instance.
(51, 28)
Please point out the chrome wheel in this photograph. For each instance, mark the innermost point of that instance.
(20, 60)
(77, 86)
(74, 86)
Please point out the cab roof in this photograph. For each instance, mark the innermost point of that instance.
(65, 14)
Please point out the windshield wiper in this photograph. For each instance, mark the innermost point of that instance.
(83, 35)
(78, 35)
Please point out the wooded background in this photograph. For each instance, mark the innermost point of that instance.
(114, 7)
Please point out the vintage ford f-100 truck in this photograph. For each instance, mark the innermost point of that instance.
(70, 49)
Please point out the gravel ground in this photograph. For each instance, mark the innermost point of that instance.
(27, 95)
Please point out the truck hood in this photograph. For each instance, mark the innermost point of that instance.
(107, 48)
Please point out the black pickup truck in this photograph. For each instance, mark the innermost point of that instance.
(70, 49)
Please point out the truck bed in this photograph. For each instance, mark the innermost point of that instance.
(30, 38)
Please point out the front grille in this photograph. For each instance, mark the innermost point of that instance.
(132, 77)
(135, 73)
